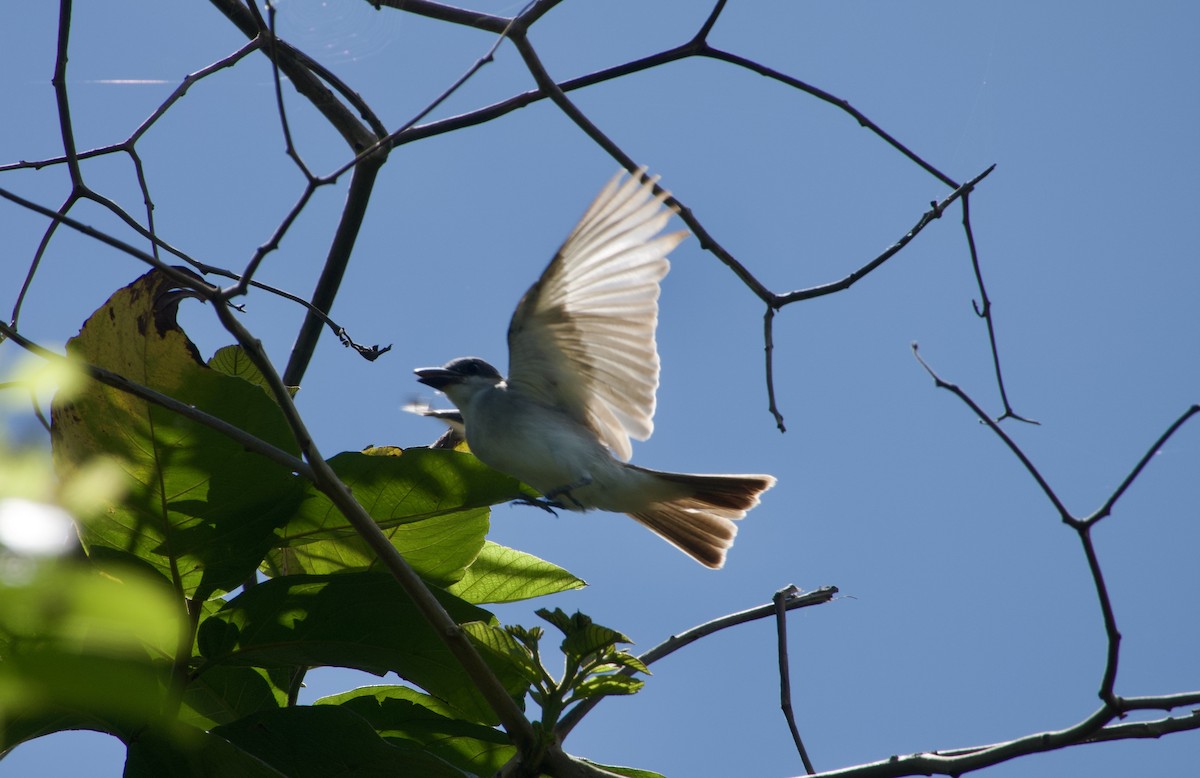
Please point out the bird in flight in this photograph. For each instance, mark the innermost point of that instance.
(583, 371)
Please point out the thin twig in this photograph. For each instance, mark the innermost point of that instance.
(1113, 635)
(676, 642)
(174, 272)
(1106, 509)
(775, 302)
(129, 147)
(368, 352)
(841, 103)
(366, 166)
(280, 107)
(389, 140)
(59, 81)
(446, 13)
(706, 28)
(362, 183)
(984, 311)
(303, 79)
(785, 677)
(936, 209)
(1114, 706)
(769, 352)
(1061, 509)
(40, 252)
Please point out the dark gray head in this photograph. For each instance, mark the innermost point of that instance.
(457, 371)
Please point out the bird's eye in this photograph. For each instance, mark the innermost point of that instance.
(473, 366)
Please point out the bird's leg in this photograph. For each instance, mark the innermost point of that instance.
(553, 494)
(545, 505)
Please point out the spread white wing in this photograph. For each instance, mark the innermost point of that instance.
(582, 338)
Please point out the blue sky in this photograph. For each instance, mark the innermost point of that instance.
(966, 615)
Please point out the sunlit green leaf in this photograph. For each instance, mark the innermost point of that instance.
(502, 574)
(626, 659)
(604, 685)
(628, 772)
(233, 361)
(431, 504)
(582, 635)
(495, 642)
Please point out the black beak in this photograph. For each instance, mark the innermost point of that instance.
(436, 377)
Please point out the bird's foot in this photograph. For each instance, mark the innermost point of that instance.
(547, 505)
(554, 494)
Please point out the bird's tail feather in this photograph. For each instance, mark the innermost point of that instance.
(700, 521)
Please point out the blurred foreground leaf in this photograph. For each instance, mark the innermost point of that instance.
(81, 648)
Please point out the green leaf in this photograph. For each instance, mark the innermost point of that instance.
(192, 754)
(502, 574)
(582, 636)
(358, 620)
(503, 648)
(628, 772)
(327, 741)
(626, 659)
(431, 504)
(233, 361)
(225, 693)
(605, 685)
(198, 506)
(83, 649)
(399, 712)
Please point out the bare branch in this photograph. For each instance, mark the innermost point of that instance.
(706, 28)
(43, 244)
(1063, 513)
(769, 351)
(362, 183)
(446, 13)
(1147, 729)
(1088, 730)
(1106, 509)
(1093, 729)
(174, 272)
(280, 108)
(1113, 652)
(59, 81)
(841, 103)
(774, 301)
(687, 637)
(935, 212)
(785, 678)
(984, 311)
(304, 79)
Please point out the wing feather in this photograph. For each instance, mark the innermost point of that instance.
(582, 338)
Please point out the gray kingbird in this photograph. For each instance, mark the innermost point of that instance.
(583, 370)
